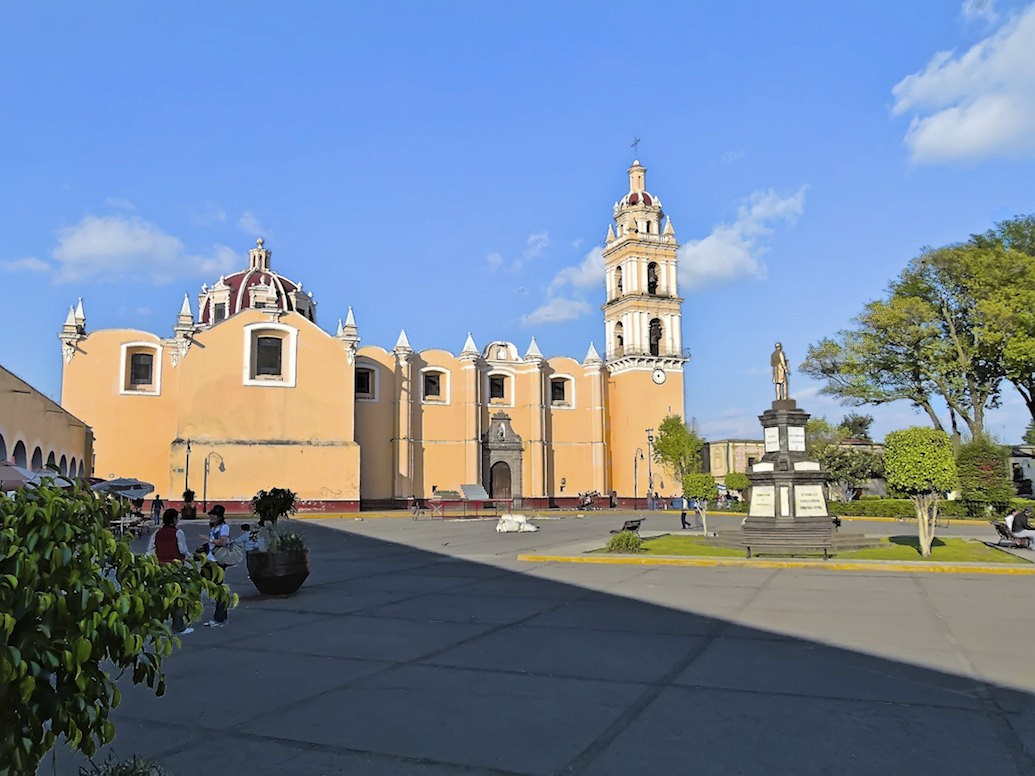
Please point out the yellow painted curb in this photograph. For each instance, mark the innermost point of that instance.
(937, 568)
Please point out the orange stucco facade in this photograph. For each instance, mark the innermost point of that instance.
(261, 396)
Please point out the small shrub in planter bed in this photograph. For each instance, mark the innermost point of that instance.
(626, 541)
(137, 766)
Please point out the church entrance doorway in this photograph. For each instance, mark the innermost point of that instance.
(500, 480)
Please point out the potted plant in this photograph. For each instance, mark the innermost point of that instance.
(189, 511)
(282, 567)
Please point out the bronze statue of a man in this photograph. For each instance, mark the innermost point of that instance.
(780, 371)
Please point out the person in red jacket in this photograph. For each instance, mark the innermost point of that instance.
(169, 545)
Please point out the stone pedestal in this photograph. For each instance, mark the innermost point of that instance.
(787, 489)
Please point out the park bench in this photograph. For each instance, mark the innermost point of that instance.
(630, 525)
(1007, 539)
(788, 540)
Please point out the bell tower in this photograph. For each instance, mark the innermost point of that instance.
(643, 335)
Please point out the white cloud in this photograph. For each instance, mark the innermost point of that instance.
(117, 247)
(250, 224)
(588, 273)
(978, 105)
(494, 260)
(28, 264)
(576, 244)
(733, 251)
(143, 311)
(980, 9)
(555, 311)
(537, 243)
(119, 202)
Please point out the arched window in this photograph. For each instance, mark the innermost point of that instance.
(63, 466)
(19, 454)
(37, 460)
(648, 227)
(51, 461)
(71, 468)
(618, 280)
(655, 337)
(3, 448)
(82, 469)
(652, 278)
(619, 340)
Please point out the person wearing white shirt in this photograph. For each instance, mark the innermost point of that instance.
(218, 536)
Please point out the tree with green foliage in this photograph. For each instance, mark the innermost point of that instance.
(857, 426)
(920, 463)
(1007, 316)
(737, 481)
(819, 433)
(677, 447)
(76, 607)
(702, 489)
(956, 323)
(1029, 435)
(983, 468)
(849, 467)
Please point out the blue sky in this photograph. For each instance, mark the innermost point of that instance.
(451, 167)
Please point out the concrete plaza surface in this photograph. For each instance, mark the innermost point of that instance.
(427, 648)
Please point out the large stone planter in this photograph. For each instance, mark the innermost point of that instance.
(278, 573)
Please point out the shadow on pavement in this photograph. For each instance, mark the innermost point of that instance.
(397, 660)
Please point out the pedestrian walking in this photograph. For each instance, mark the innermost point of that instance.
(169, 545)
(156, 510)
(218, 536)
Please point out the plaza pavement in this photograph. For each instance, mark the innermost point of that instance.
(427, 648)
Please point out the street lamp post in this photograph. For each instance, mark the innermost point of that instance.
(204, 486)
(186, 470)
(637, 457)
(650, 473)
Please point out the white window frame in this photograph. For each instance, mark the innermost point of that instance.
(444, 385)
(370, 366)
(508, 401)
(288, 360)
(570, 379)
(156, 375)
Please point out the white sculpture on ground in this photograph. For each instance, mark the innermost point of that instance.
(514, 523)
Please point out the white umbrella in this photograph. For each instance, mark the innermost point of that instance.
(125, 488)
(13, 477)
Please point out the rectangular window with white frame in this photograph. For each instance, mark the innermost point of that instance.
(270, 354)
(141, 369)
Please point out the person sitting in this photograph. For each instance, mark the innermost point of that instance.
(1022, 527)
(169, 545)
(248, 539)
(1010, 518)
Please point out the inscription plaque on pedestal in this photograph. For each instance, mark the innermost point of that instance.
(785, 502)
(796, 439)
(809, 501)
(763, 501)
(772, 440)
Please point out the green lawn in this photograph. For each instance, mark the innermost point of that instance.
(893, 548)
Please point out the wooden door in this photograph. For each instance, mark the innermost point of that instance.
(500, 484)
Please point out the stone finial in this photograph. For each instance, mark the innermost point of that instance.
(668, 226)
(350, 319)
(80, 316)
(341, 329)
(70, 320)
(402, 343)
(610, 234)
(469, 346)
(533, 352)
(185, 311)
(592, 357)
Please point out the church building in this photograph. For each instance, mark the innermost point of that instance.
(252, 393)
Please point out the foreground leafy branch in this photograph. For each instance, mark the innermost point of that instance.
(78, 610)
